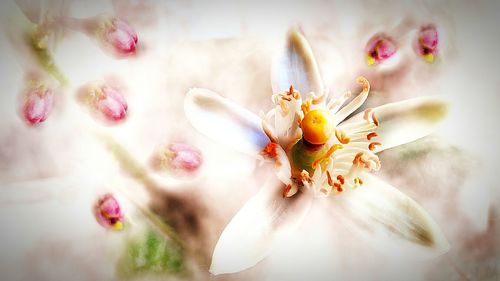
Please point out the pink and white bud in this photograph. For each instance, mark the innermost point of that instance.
(119, 36)
(114, 34)
(37, 104)
(426, 44)
(108, 101)
(108, 212)
(179, 157)
(379, 48)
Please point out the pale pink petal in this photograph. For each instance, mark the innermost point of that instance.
(224, 121)
(296, 66)
(251, 234)
(390, 220)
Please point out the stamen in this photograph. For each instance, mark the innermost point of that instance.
(338, 187)
(293, 93)
(306, 106)
(318, 100)
(270, 150)
(341, 179)
(358, 182)
(327, 155)
(371, 135)
(355, 103)
(372, 145)
(305, 177)
(335, 104)
(367, 114)
(370, 114)
(287, 190)
(329, 177)
(375, 120)
(341, 136)
(358, 127)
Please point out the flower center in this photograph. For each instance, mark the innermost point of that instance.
(317, 127)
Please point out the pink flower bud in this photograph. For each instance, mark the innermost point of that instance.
(379, 48)
(108, 101)
(427, 42)
(119, 36)
(108, 212)
(179, 157)
(37, 104)
(112, 104)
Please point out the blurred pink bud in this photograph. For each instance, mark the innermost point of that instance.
(120, 36)
(427, 42)
(112, 104)
(108, 101)
(379, 48)
(108, 212)
(180, 157)
(37, 104)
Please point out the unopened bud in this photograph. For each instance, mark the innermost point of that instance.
(427, 42)
(108, 212)
(179, 157)
(106, 100)
(117, 35)
(379, 48)
(37, 103)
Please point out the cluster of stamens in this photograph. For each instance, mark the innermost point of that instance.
(310, 123)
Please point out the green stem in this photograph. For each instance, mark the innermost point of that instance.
(36, 40)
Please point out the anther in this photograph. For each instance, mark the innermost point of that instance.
(375, 120)
(364, 83)
(329, 177)
(287, 190)
(306, 107)
(341, 136)
(372, 145)
(371, 135)
(270, 150)
(341, 179)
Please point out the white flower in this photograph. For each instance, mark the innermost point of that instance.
(317, 153)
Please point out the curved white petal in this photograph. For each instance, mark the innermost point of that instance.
(224, 121)
(406, 121)
(390, 220)
(283, 168)
(250, 235)
(296, 66)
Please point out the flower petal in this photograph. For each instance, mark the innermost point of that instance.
(225, 121)
(384, 214)
(250, 235)
(296, 66)
(405, 121)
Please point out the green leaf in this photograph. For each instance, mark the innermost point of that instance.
(149, 253)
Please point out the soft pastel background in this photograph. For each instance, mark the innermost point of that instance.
(51, 174)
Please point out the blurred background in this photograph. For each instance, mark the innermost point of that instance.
(52, 173)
